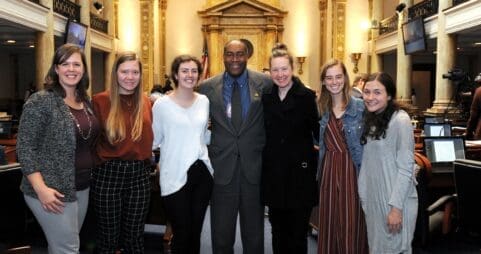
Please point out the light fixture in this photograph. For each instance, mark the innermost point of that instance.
(11, 41)
(300, 61)
(355, 57)
(99, 7)
(400, 7)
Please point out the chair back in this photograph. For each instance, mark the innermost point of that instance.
(467, 178)
(20, 250)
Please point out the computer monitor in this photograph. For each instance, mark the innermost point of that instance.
(432, 119)
(437, 129)
(444, 149)
(5, 129)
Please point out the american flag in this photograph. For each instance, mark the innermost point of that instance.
(205, 59)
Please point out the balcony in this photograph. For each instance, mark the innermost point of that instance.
(68, 9)
(98, 23)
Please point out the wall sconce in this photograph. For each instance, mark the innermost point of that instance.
(355, 57)
(300, 61)
(99, 7)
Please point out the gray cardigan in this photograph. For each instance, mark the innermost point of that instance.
(46, 143)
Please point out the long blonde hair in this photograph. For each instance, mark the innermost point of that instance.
(115, 125)
(325, 100)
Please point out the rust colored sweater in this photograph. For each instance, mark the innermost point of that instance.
(126, 149)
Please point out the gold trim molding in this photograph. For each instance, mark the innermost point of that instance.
(339, 28)
(256, 21)
(147, 43)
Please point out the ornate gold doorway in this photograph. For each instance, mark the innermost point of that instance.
(260, 23)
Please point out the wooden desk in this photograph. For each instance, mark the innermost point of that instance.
(8, 142)
(14, 210)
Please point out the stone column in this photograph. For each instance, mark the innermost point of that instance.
(215, 51)
(404, 62)
(375, 60)
(85, 19)
(109, 14)
(45, 47)
(445, 60)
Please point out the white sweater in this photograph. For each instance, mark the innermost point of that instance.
(182, 135)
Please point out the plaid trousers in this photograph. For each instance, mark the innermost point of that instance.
(121, 197)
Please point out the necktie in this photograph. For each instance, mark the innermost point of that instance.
(236, 106)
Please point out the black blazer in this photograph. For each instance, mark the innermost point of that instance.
(289, 158)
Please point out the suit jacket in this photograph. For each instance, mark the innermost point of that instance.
(228, 145)
(290, 160)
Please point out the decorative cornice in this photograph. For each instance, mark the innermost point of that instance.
(463, 16)
(263, 8)
(26, 13)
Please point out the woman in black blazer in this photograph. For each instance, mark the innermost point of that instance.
(289, 173)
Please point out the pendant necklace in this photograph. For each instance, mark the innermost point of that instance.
(81, 132)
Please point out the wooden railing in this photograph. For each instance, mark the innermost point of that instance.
(99, 23)
(67, 9)
(388, 25)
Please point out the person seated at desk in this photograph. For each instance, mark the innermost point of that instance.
(473, 130)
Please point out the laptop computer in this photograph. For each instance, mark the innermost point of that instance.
(437, 129)
(442, 151)
(433, 119)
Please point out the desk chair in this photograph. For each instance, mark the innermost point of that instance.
(430, 216)
(467, 178)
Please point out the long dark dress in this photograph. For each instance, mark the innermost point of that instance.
(342, 228)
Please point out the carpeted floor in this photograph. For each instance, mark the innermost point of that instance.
(154, 244)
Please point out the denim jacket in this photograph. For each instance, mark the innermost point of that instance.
(352, 122)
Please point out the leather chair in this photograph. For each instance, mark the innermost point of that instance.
(430, 216)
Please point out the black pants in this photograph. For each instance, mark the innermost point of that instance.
(121, 195)
(289, 229)
(186, 209)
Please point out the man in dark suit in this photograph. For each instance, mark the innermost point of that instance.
(235, 150)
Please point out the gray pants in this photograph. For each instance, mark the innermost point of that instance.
(237, 198)
(61, 230)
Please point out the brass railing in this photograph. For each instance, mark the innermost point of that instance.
(388, 25)
(67, 9)
(99, 23)
(423, 9)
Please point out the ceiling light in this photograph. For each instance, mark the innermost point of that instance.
(477, 44)
(11, 41)
(31, 46)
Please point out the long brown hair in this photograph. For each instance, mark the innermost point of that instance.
(115, 125)
(325, 101)
(376, 124)
(51, 79)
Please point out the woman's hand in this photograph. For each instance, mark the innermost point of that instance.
(50, 200)
(48, 197)
(394, 220)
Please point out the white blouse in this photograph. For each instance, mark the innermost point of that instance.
(182, 135)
